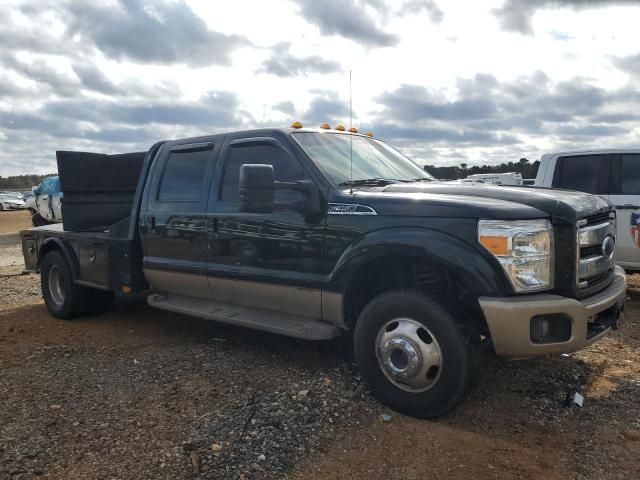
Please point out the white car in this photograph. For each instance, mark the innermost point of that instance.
(613, 174)
(11, 202)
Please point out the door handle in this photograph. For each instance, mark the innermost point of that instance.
(152, 222)
(627, 206)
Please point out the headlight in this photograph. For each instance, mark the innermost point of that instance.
(524, 248)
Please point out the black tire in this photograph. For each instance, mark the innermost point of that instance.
(69, 300)
(450, 381)
(38, 221)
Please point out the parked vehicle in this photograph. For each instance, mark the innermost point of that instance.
(11, 202)
(612, 174)
(45, 202)
(270, 230)
(509, 178)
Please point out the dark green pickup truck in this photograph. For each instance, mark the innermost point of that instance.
(316, 233)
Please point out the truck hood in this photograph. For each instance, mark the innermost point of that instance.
(439, 199)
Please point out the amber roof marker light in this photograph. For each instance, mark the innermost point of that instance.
(340, 128)
(368, 134)
(325, 126)
(296, 125)
(353, 130)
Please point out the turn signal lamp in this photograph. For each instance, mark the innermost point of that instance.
(296, 125)
(496, 245)
(369, 134)
(353, 130)
(340, 128)
(326, 126)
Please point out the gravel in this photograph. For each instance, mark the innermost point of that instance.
(140, 393)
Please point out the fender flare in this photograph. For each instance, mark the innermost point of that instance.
(477, 267)
(54, 243)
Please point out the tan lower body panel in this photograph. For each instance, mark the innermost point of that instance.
(305, 302)
(187, 284)
(509, 319)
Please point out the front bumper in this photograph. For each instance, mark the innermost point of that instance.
(511, 319)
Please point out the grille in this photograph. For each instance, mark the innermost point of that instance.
(597, 218)
(592, 267)
(590, 251)
(603, 277)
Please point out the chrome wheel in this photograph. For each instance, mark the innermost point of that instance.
(409, 355)
(56, 284)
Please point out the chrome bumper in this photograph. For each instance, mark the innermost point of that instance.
(510, 319)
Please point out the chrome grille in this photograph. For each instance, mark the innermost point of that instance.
(592, 265)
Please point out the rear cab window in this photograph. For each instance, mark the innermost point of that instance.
(584, 173)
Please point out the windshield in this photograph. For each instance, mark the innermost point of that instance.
(372, 159)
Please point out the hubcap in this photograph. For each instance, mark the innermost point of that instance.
(56, 285)
(409, 355)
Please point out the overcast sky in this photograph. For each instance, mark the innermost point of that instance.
(446, 81)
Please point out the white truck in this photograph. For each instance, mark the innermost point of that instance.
(508, 178)
(45, 203)
(613, 174)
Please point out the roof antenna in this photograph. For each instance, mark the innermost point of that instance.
(350, 137)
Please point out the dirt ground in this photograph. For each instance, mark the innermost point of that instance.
(145, 394)
(14, 221)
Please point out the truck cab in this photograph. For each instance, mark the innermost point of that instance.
(320, 233)
(613, 174)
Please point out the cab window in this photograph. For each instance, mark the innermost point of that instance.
(184, 175)
(285, 169)
(584, 173)
(630, 178)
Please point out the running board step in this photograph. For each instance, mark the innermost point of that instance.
(281, 324)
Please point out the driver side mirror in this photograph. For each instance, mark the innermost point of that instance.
(35, 190)
(256, 192)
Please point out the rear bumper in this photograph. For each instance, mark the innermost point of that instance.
(510, 319)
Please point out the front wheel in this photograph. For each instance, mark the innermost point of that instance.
(411, 354)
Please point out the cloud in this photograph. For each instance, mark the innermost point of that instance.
(110, 125)
(487, 112)
(283, 64)
(515, 15)
(347, 19)
(93, 79)
(285, 107)
(327, 107)
(43, 73)
(161, 32)
(411, 7)
(629, 64)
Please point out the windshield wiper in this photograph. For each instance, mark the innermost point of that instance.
(367, 182)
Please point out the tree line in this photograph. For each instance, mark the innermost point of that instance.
(20, 182)
(528, 170)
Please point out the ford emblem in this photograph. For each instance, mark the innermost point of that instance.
(608, 247)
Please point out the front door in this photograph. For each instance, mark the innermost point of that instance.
(173, 219)
(270, 261)
(625, 195)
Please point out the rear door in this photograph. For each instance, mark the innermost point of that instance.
(173, 218)
(625, 195)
